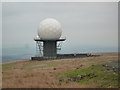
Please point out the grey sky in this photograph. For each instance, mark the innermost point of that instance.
(85, 25)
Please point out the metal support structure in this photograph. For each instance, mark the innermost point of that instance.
(48, 48)
(39, 48)
(59, 45)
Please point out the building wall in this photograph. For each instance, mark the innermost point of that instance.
(49, 49)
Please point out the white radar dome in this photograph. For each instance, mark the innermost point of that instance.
(49, 29)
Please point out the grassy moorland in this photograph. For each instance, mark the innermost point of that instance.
(65, 73)
(95, 74)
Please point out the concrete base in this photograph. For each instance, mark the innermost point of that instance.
(64, 56)
(42, 58)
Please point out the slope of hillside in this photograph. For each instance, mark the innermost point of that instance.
(48, 74)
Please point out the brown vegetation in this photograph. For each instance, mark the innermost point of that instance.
(42, 74)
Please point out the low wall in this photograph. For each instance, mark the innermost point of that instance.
(63, 56)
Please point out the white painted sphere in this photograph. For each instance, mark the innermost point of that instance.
(49, 29)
